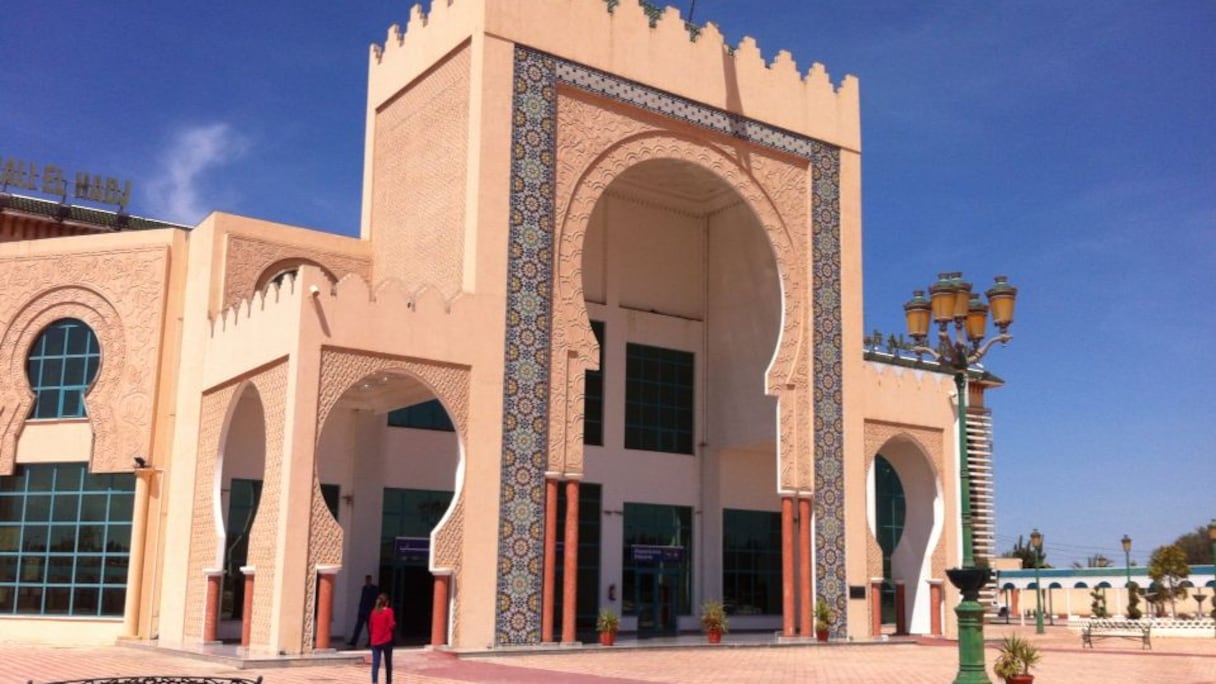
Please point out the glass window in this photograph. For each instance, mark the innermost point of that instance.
(593, 402)
(52, 547)
(654, 525)
(658, 399)
(889, 519)
(429, 415)
(61, 365)
(751, 562)
(243, 498)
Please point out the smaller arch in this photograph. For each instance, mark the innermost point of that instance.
(1007, 586)
(1080, 585)
(1103, 585)
(1055, 585)
(1211, 584)
(1032, 585)
(279, 270)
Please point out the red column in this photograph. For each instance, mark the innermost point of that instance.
(570, 570)
(212, 616)
(805, 625)
(935, 613)
(247, 607)
(787, 566)
(550, 577)
(901, 611)
(325, 606)
(875, 606)
(439, 611)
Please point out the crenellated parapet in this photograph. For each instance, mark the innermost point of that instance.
(637, 42)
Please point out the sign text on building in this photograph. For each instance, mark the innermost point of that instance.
(52, 179)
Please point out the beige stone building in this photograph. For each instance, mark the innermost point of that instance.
(598, 345)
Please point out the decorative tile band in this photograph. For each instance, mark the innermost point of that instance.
(683, 109)
(831, 580)
(529, 326)
(521, 511)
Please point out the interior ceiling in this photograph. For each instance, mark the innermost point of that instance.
(385, 392)
(683, 185)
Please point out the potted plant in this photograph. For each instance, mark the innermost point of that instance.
(1015, 658)
(713, 620)
(606, 624)
(823, 619)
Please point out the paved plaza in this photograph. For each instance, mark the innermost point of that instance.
(1172, 661)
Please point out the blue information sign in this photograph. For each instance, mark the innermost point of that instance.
(413, 548)
(649, 553)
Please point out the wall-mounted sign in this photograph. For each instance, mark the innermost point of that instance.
(648, 553)
(413, 548)
(52, 179)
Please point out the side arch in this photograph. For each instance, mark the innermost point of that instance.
(916, 455)
(340, 370)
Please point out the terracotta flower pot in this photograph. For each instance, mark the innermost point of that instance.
(1020, 679)
(715, 637)
(608, 638)
(821, 635)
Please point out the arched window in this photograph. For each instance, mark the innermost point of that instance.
(61, 365)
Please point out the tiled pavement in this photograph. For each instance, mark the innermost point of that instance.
(1172, 661)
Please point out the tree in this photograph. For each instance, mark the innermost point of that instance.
(1196, 546)
(1133, 601)
(1025, 552)
(1168, 567)
(1097, 604)
(1094, 561)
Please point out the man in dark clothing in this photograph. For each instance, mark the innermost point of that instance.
(367, 601)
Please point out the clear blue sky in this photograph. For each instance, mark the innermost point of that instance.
(1070, 145)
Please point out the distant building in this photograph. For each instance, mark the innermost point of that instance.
(599, 344)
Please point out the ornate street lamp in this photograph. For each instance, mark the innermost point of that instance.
(1036, 542)
(1127, 564)
(951, 300)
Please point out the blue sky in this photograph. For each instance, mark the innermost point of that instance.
(1069, 145)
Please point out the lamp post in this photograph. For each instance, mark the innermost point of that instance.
(1127, 565)
(950, 299)
(1036, 542)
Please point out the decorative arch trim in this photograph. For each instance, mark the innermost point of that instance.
(534, 370)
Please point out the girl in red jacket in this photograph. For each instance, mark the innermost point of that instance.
(381, 625)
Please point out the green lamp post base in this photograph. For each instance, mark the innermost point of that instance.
(971, 668)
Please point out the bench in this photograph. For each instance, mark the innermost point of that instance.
(158, 679)
(1122, 629)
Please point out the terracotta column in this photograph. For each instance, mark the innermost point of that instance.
(570, 580)
(805, 624)
(550, 576)
(325, 604)
(901, 611)
(875, 606)
(211, 615)
(935, 604)
(247, 607)
(787, 566)
(439, 611)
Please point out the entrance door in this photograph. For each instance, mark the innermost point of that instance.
(655, 598)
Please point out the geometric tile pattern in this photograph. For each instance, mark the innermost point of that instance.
(530, 286)
(831, 581)
(526, 382)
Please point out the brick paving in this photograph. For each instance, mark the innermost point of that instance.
(1172, 661)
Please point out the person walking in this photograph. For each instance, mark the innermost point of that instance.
(380, 628)
(367, 600)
